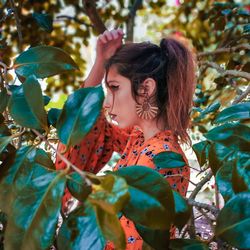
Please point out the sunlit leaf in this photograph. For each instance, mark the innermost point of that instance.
(4, 141)
(81, 229)
(151, 201)
(111, 194)
(79, 114)
(43, 61)
(235, 112)
(233, 222)
(169, 160)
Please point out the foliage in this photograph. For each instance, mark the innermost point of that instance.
(31, 188)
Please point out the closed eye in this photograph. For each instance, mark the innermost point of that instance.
(114, 87)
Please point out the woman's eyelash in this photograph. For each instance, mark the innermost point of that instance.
(113, 87)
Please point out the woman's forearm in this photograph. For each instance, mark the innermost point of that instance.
(96, 75)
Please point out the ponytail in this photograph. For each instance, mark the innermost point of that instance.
(180, 86)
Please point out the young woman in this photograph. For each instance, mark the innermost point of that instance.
(149, 96)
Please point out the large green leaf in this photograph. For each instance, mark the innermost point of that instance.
(80, 230)
(43, 159)
(111, 194)
(169, 160)
(78, 186)
(187, 244)
(45, 21)
(233, 222)
(43, 61)
(53, 116)
(35, 209)
(20, 110)
(201, 150)
(34, 98)
(217, 155)
(241, 173)
(182, 211)
(235, 112)
(224, 180)
(151, 199)
(4, 99)
(158, 239)
(111, 228)
(79, 114)
(235, 136)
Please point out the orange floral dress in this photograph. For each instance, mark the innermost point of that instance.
(97, 147)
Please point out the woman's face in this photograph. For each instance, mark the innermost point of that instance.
(119, 101)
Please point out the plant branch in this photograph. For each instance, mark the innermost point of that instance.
(68, 163)
(18, 25)
(91, 11)
(244, 46)
(74, 19)
(200, 185)
(208, 207)
(234, 73)
(242, 96)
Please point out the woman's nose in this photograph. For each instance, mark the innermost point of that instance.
(107, 102)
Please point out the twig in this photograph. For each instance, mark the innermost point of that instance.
(90, 9)
(200, 185)
(208, 207)
(18, 25)
(69, 164)
(234, 73)
(242, 96)
(191, 226)
(225, 50)
(74, 19)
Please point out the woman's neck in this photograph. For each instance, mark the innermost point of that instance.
(150, 128)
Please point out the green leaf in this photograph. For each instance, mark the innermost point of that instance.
(111, 228)
(211, 108)
(34, 98)
(4, 141)
(4, 97)
(229, 25)
(158, 239)
(45, 21)
(79, 114)
(111, 194)
(42, 158)
(43, 61)
(169, 160)
(217, 155)
(78, 187)
(235, 136)
(53, 116)
(187, 244)
(21, 111)
(81, 229)
(246, 28)
(235, 112)
(233, 221)
(201, 150)
(46, 100)
(182, 211)
(151, 199)
(35, 211)
(224, 180)
(241, 173)
(226, 12)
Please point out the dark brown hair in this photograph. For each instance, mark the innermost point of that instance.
(172, 67)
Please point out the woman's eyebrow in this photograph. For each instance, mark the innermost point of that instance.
(112, 81)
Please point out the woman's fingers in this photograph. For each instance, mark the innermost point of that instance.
(111, 35)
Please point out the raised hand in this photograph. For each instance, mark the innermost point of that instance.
(108, 43)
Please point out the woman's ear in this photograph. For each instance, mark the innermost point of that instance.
(148, 87)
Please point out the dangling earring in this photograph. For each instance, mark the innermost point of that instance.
(146, 110)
